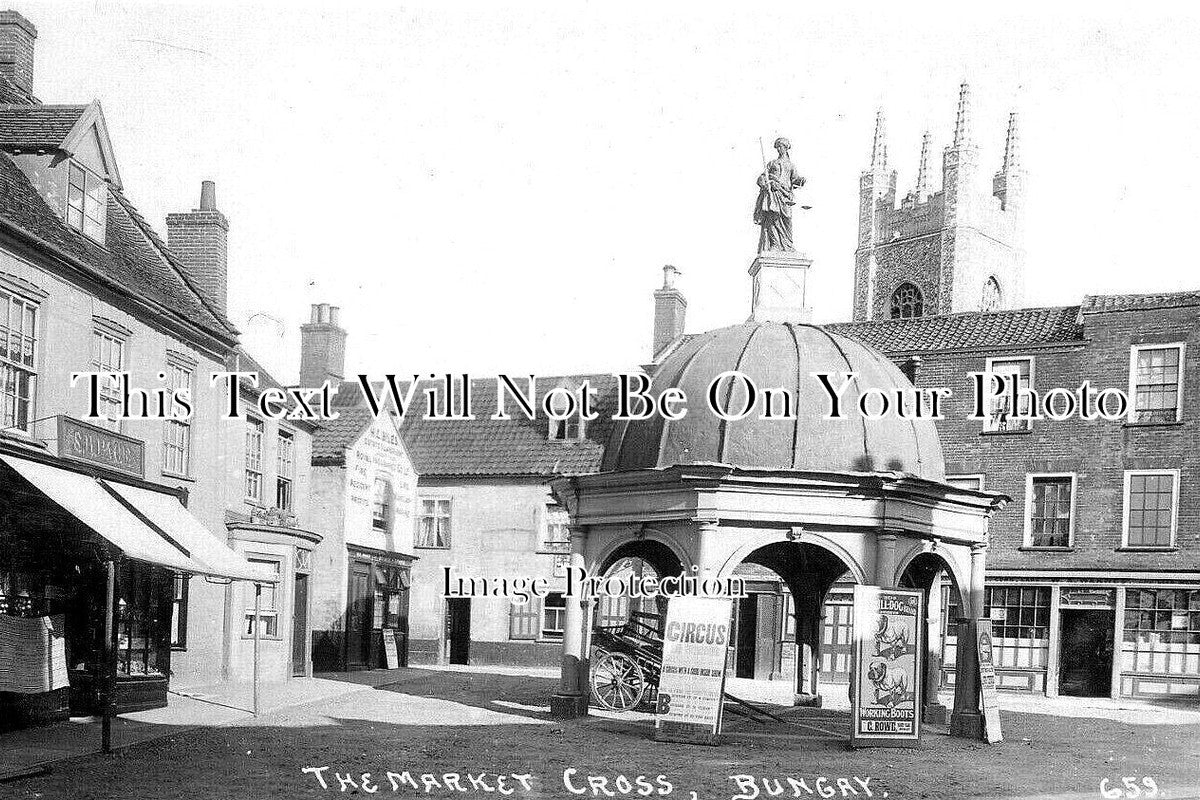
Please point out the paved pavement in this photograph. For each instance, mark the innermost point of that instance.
(33, 749)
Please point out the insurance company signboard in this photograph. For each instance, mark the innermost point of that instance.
(888, 646)
(692, 685)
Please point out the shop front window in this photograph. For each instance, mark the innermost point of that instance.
(1020, 618)
(391, 597)
(179, 600)
(1162, 632)
(140, 630)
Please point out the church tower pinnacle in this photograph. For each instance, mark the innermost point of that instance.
(941, 250)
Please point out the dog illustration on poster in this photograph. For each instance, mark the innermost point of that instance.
(891, 639)
(891, 685)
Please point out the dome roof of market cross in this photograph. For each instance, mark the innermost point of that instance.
(778, 355)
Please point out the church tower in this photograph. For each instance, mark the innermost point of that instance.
(940, 252)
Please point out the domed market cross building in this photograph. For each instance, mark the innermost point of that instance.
(812, 499)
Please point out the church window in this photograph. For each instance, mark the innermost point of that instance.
(907, 302)
(992, 297)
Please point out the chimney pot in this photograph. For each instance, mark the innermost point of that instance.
(208, 196)
(322, 348)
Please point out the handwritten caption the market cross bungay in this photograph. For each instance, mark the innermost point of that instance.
(580, 784)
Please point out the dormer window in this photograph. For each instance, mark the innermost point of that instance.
(87, 202)
(570, 428)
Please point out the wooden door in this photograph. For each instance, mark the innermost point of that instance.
(358, 623)
(300, 625)
(766, 645)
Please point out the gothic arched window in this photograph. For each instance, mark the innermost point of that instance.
(907, 302)
(992, 296)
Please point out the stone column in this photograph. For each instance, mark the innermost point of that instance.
(705, 551)
(967, 720)
(572, 697)
(885, 560)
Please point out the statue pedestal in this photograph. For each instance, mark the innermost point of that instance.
(779, 287)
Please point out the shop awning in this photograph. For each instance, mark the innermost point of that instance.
(99, 507)
(169, 515)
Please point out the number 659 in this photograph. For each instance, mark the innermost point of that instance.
(1129, 789)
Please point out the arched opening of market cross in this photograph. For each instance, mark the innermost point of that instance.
(929, 572)
(791, 630)
(622, 676)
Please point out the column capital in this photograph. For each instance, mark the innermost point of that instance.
(979, 549)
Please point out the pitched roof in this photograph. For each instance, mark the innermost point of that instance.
(482, 446)
(516, 446)
(134, 258)
(333, 436)
(968, 330)
(37, 127)
(1095, 303)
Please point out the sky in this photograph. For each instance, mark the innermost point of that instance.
(495, 187)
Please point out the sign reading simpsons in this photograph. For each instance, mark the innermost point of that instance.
(888, 646)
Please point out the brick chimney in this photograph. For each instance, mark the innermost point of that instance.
(17, 36)
(322, 347)
(199, 239)
(669, 310)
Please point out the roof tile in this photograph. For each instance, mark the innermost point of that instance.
(967, 330)
(482, 446)
(133, 258)
(36, 127)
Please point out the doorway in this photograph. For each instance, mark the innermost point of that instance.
(358, 629)
(458, 629)
(300, 626)
(1087, 653)
(747, 627)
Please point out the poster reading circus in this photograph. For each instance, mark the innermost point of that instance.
(887, 675)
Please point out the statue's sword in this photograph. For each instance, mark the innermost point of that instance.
(770, 190)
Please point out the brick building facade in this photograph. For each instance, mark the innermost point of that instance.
(1086, 597)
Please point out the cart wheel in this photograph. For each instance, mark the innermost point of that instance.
(618, 683)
